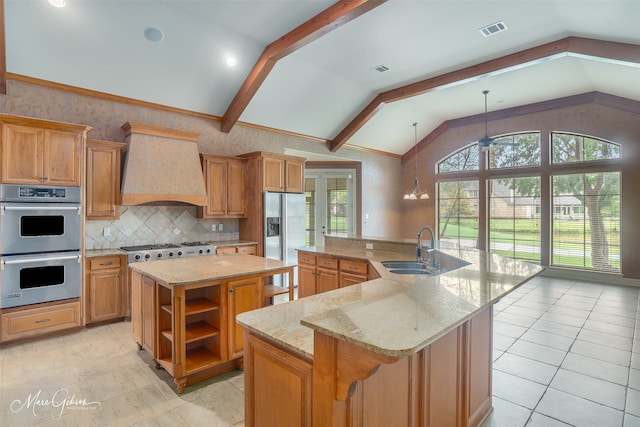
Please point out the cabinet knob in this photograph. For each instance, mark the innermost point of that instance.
(231, 291)
(106, 263)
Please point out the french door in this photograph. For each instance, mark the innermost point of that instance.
(330, 204)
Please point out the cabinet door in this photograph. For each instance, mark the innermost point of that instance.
(136, 306)
(348, 279)
(22, 155)
(62, 165)
(306, 280)
(226, 250)
(236, 204)
(273, 170)
(216, 180)
(294, 177)
(247, 249)
(327, 280)
(148, 314)
(244, 295)
(103, 181)
(105, 295)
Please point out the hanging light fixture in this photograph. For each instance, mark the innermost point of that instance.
(416, 192)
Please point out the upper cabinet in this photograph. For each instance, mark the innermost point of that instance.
(224, 179)
(41, 152)
(277, 172)
(103, 179)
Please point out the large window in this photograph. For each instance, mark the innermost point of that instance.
(458, 212)
(578, 223)
(514, 222)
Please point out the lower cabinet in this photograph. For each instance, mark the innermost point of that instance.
(39, 319)
(237, 249)
(278, 386)
(317, 273)
(244, 295)
(191, 329)
(447, 383)
(105, 288)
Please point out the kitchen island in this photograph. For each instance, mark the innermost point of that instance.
(183, 310)
(398, 350)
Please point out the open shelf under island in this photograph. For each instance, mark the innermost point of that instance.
(183, 310)
(403, 349)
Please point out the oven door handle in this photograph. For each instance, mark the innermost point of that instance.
(42, 259)
(40, 208)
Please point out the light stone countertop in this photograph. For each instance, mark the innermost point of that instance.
(395, 315)
(92, 253)
(198, 269)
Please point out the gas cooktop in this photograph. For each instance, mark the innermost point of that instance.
(159, 251)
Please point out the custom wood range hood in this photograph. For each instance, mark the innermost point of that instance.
(161, 166)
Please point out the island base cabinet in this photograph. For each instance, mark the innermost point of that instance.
(448, 383)
(278, 386)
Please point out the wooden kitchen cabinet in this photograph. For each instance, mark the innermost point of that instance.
(237, 249)
(225, 183)
(317, 273)
(105, 288)
(352, 272)
(244, 295)
(143, 302)
(307, 274)
(103, 179)
(267, 172)
(190, 331)
(41, 152)
(278, 386)
(40, 319)
(327, 272)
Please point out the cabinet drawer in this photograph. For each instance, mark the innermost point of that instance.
(326, 262)
(102, 263)
(30, 322)
(247, 250)
(358, 267)
(226, 250)
(306, 258)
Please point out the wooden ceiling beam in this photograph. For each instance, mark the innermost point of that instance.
(328, 20)
(3, 51)
(576, 45)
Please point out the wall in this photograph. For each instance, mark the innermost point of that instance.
(381, 174)
(607, 117)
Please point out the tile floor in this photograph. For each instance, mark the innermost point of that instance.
(566, 353)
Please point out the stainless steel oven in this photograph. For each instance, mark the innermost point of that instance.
(36, 278)
(39, 219)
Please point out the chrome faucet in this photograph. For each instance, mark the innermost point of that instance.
(430, 250)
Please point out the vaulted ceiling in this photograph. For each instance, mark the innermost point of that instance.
(348, 72)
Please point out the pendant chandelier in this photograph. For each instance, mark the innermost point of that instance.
(416, 192)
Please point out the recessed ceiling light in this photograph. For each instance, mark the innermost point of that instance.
(492, 29)
(57, 3)
(153, 34)
(231, 61)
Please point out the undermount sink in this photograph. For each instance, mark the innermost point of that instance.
(409, 271)
(408, 267)
(413, 265)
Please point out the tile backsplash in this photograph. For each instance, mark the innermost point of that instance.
(140, 225)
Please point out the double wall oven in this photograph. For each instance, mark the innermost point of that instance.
(40, 237)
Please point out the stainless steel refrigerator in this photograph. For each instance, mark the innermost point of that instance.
(285, 227)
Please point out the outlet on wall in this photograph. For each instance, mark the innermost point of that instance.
(220, 227)
(213, 227)
(106, 231)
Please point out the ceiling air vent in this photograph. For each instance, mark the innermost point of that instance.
(490, 30)
(380, 68)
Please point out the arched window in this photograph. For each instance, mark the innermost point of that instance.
(580, 220)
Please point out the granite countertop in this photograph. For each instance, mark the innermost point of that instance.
(395, 315)
(184, 271)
